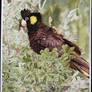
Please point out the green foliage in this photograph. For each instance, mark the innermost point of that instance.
(39, 73)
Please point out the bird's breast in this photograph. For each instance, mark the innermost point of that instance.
(35, 44)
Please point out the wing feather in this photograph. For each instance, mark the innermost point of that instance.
(51, 39)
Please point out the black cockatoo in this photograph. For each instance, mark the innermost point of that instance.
(42, 36)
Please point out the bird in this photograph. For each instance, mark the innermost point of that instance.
(42, 36)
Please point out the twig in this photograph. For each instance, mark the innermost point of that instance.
(41, 6)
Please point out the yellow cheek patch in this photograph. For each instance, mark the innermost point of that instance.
(33, 19)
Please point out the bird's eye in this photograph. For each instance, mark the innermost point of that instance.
(33, 20)
(26, 18)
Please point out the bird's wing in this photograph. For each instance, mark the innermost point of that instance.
(50, 39)
(71, 44)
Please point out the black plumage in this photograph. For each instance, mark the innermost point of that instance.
(42, 36)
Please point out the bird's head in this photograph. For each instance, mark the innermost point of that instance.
(32, 19)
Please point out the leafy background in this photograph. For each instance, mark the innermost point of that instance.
(25, 71)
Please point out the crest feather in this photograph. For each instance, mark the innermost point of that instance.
(25, 13)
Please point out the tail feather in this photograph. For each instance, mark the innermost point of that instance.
(81, 65)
